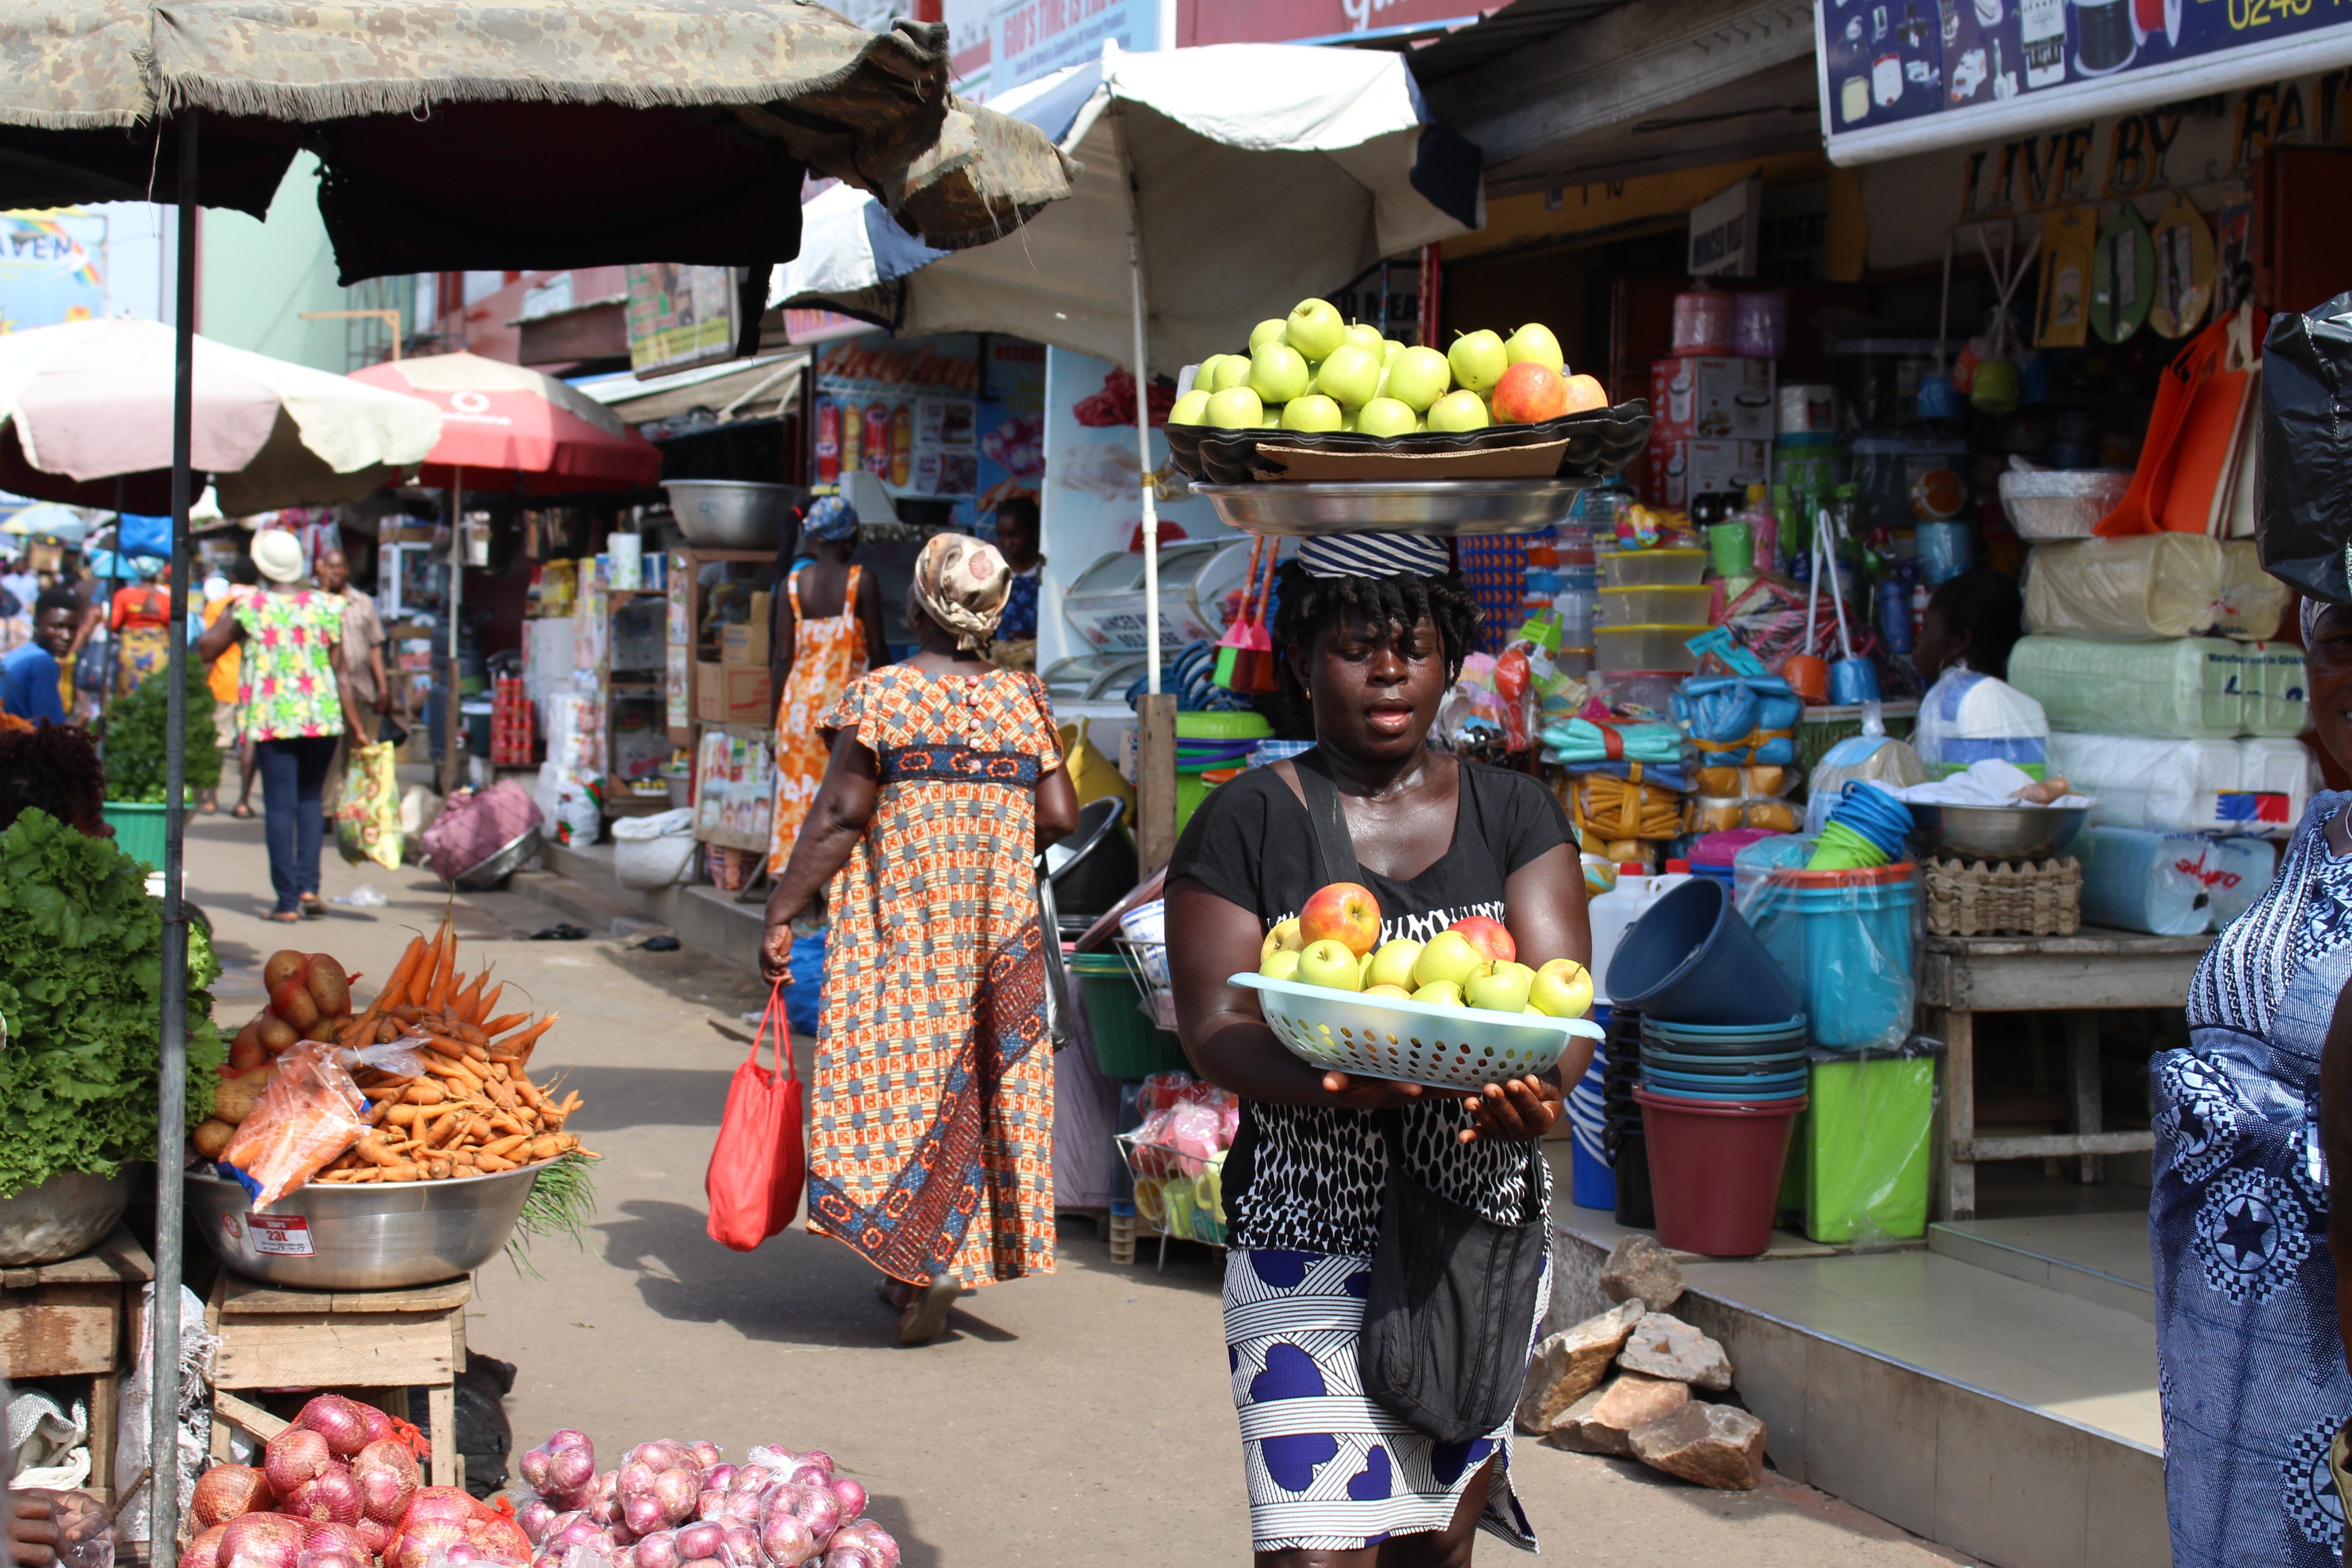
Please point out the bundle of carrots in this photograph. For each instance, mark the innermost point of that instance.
(473, 1111)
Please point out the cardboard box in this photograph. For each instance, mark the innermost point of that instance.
(1703, 398)
(744, 647)
(730, 694)
(1681, 469)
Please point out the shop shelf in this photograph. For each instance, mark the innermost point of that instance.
(1650, 647)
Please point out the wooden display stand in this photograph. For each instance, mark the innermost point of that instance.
(80, 1318)
(382, 1340)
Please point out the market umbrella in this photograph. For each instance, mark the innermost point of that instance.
(86, 412)
(1218, 185)
(500, 420)
(47, 522)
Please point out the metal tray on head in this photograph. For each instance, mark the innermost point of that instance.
(1410, 506)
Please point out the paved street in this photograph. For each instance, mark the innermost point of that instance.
(1078, 1418)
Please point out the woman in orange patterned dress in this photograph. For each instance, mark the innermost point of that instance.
(930, 1135)
(814, 657)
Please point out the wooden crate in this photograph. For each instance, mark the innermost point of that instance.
(79, 1318)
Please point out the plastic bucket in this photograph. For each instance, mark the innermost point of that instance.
(1776, 1064)
(1826, 926)
(1780, 1085)
(138, 829)
(1127, 1044)
(1691, 958)
(1715, 1172)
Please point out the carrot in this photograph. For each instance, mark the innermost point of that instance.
(445, 971)
(491, 1163)
(504, 1147)
(488, 1000)
(519, 1045)
(503, 1022)
(463, 997)
(395, 989)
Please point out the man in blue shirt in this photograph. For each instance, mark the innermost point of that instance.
(28, 675)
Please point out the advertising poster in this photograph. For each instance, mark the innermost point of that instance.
(49, 269)
(1012, 423)
(1092, 500)
(679, 317)
(1032, 38)
(907, 412)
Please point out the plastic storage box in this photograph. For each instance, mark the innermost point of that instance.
(1658, 605)
(1651, 568)
(1650, 647)
(1865, 1147)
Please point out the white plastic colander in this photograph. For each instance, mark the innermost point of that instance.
(1408, 1041)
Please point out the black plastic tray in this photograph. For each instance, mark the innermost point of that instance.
(1599, 442)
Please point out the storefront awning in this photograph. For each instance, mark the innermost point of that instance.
(758, 389)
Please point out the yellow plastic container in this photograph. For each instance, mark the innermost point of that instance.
(1656, 606)
(1651, 568)
(1647, 647)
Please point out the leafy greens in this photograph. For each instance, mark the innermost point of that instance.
(134, 735)
(82, 948)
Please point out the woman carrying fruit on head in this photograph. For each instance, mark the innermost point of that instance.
(1374, 629)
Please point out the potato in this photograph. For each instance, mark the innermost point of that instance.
(283, 965)
(246, 1052)
(291, 1001)
(276, 1034)
(212, 1136)
(327, 1031)
(233, 1100)
(329, 988)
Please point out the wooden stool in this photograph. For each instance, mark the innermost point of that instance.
(80, 1318)
(372, 1340)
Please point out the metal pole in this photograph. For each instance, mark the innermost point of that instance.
(453, 724)
(1142, 420)
(172, 1090)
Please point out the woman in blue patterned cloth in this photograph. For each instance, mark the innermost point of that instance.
(1374, 629)
(1016, 646)
(2248, 1247)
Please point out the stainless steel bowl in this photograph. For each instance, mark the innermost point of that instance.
(485, 875)
(1413, 506)
(376, 1236)
(731, 514)
(65, 1214)
(1995, 832)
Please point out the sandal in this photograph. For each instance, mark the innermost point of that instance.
(313, 906)
(242, 812)
(287, 916)
(926, 1316)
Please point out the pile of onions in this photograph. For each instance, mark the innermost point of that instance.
(563, 1471)
(261, 1541)
(680, 1505)
(388, 1478)
(344, 1422)
(295, 1456)
(226, 1490)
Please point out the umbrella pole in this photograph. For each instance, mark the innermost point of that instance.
(172, 1088)
(453, 724)
(1156, 737)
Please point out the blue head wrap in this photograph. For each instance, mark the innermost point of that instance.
(829, 518)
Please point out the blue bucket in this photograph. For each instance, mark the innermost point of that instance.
(1702, 1040)
(1718, 1097)
(1827, 935)
(1777, 1086)
(1690, 959)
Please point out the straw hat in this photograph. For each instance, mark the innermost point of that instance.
(279, 554)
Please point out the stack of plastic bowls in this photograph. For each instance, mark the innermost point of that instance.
(1868, 829)
(1732, 1065)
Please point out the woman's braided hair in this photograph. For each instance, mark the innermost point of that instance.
(54, 767)
(1307, 605)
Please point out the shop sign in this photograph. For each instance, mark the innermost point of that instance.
(49, 269)
(906, 415)
(1908, 75)
(679, 316)
(1032, 38)
(1724, 230)
(1291, 21)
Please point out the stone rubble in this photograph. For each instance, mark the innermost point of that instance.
(1571, 1363)
(1717, 1446)
(1639, 1269)
(1604, 1421)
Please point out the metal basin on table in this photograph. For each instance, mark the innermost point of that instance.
(732, 514)
(65, 1214)
(1995, 832)
(370, 1236)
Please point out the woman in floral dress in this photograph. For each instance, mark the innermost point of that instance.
(815, 658)
(930, 1135)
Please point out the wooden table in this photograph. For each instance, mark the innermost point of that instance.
(80, 1318)
(370, 1340)
(2095, 968)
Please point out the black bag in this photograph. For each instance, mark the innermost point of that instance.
(1451, 1299)
(2303, 500)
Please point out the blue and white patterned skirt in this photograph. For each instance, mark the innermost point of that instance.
(1327, 1468)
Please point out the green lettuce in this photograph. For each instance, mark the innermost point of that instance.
(134, 733)
(82, 948)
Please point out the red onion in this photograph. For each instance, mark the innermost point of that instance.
(261, 1541)
(204, 1551)
(742, 1508)
(709, 1504)
(818, 1458)
(332, 1494)
(568, 1531)
(787, 1541)
(226, 1490)
(849, 1557)
(809, 1473)
(335, 1559)
(719, 1478)
(702, 1563)
(812, 1506)
(658, 1550)
(700, 1540)
(441, 1505)
(535, 1465)
(852, 1496)
(388, 1478)
(704, 1455)
(634, 1480)
(419, 1539)
(376, 1534)
(750, 1477)
(741, 1546)
(293, 1456)
(644, 1515)
(497, 1537)
(675, 1491)
(341, 1538)
(461, 1554)
(661, 1454)
(378, 1424)
(571, 1469)
(535, 1515)
(338, 1420)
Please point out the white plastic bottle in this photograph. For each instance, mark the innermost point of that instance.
(1676, 873)
(1611, 914)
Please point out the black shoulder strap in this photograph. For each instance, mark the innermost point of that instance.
(1337, 846)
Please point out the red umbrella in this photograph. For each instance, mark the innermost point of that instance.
(506, 421)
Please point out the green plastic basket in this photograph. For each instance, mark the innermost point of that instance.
(1866, 1129)
(138, 830)
(1128, 1044)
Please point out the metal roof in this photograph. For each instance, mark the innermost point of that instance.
(1500, 31)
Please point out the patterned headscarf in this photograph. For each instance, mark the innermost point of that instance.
(830, 518)
(961, 582)
(1373, 555)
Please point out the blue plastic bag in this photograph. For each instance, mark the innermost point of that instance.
(807, 989)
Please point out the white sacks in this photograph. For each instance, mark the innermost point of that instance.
(2192, 689)
(2169, 884)
(2153, 587)
(2257, 787)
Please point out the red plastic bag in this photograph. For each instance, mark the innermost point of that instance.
(2200, 403)
(758, 1166)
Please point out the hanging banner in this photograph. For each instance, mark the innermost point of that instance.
(679, 317)
(1899, 76)
(49, 269)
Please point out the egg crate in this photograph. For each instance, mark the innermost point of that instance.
(1594, 444)
(1408, 1041)
(1178, 1196)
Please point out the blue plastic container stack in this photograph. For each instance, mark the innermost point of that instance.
(1592, 1184)
(1736, 1064)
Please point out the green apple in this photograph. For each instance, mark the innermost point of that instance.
(1314, 329)
(1273, 419)
(1535, 341)
(1463, 410)
(1365, 336)
(1350, 374)
(1193, 408)
(1280, 964)
(1330, 964)
(1312, 412)
(1205, 374)
(1478, 360)
(1447, 956)
(1419, 377)
(1393, 963)
(1266, 332)
(1232, 370)
(1503, 990)
(1385, 416)
(1278, 373)
(1563, 989)
(1235, 408)
(1531, 1011)
(1443, 992)
(1389, 349)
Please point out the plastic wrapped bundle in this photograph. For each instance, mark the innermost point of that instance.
(1733, 720)
(2275, 781)
(1967, 717)
(2135, 879)
(2254, 787)
(2253, 602)
(2190, 689)
(2151, 587)
(2277, 699)
(2237, 872)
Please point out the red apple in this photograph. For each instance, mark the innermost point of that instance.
(1344, 912)
(1529, 392)
(1585, 392)
(1485, 934)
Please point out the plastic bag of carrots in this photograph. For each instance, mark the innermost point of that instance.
(310, 1113)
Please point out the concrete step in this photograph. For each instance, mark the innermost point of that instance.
(2099, 1258)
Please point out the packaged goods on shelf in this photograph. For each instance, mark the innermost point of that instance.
(1736, 720)
(1967, 717)
(2135, 879)
(2156, 585)
(2194, 688)
(2258, 787)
